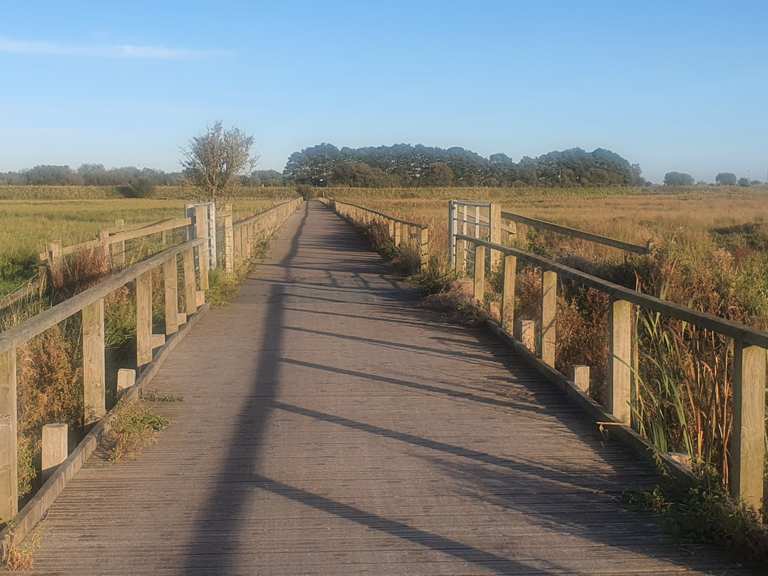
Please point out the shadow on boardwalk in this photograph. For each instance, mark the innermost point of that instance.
(331, 426)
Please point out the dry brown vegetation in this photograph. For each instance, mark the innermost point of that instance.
(711, 253)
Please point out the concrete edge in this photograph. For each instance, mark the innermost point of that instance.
(611, 428)
(35, 510)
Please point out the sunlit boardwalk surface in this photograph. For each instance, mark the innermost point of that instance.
(329, 425)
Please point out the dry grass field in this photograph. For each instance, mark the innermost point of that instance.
(33, 216)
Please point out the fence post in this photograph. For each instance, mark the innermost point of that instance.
(190, 286)
(461, 258)
(56, 264)
(144, 319)
(581, 378)
(118, 248)
(125, 379)
(9, 499)
(452, 233)
(94, 399)
(549, 317)
(620, 361)
(424, 249)
(479, 284)
(508, 294)
(747, 439)
(55, 448)
(104, 248)
(495, 233)
(201, 231)
(171, 297)
(398, 234)
(229, 238)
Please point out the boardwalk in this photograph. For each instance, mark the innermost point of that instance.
(331, 426)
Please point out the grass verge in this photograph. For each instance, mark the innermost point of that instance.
(134, 427)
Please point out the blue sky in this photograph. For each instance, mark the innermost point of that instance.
(670, 85)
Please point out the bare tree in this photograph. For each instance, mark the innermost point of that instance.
(215, 159)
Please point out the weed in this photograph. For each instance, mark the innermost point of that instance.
(155, 396)
(18, 557)
(133, 427)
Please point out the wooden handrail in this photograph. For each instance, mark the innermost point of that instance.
(52, 316)
(702, 319)
(568, 231)
(383, 215)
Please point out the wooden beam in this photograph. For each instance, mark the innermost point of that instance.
(748, 436)
(9, 500)
(549, 317)
(171, 296)
(620, 361)
(94, 388)
(144, 319)
(190, 285)
(55, 447)
(479, 279)
(508, 294)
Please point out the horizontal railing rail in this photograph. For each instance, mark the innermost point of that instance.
(186, 263)
(747, 460)
(576, 233)
(402, 233)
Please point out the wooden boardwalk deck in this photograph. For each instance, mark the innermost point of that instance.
(331, 426)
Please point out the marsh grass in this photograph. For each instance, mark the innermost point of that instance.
(134, 427)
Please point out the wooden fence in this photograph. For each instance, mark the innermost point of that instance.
(402, 233)
(89, 304)
(747, 448)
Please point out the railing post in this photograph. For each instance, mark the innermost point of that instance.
(398, 234)
(495, 233)
(55, 448)
(423, 249)
(9, 499)
(452, 234)
(190, 286)
(144, 319)
(549, 317)
(118, 248)
(479, 284)
(94, 398)
(201, 231)
(461, 257)
(171, 298)
(238, 241)
(229, 240)
(508, 294)
(620, 361)
(56, 264)
(748, 437)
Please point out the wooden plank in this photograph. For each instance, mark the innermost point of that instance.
(581, 378)
(171, 295)
(748, 436)
(508, 294)
(94, 372)
(229, 240)
(190, 283)
(575, 233)
(144, 319)
(620, 360)
(479, 276)
(549, 317)
(8, 444)
(495, 233)
(203, 251)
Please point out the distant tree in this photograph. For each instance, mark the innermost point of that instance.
(265, 178)
(678, 179)
(216, 158)
(744, 182)
(439, 174)
(726, 179)
(52, 175)
(637, 175)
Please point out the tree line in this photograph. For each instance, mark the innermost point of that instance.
(408, 165)
(722, 179)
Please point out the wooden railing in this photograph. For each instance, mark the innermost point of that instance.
(747, 462)
(402, 233)
(89, 304)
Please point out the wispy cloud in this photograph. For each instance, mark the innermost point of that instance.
(128, 51)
